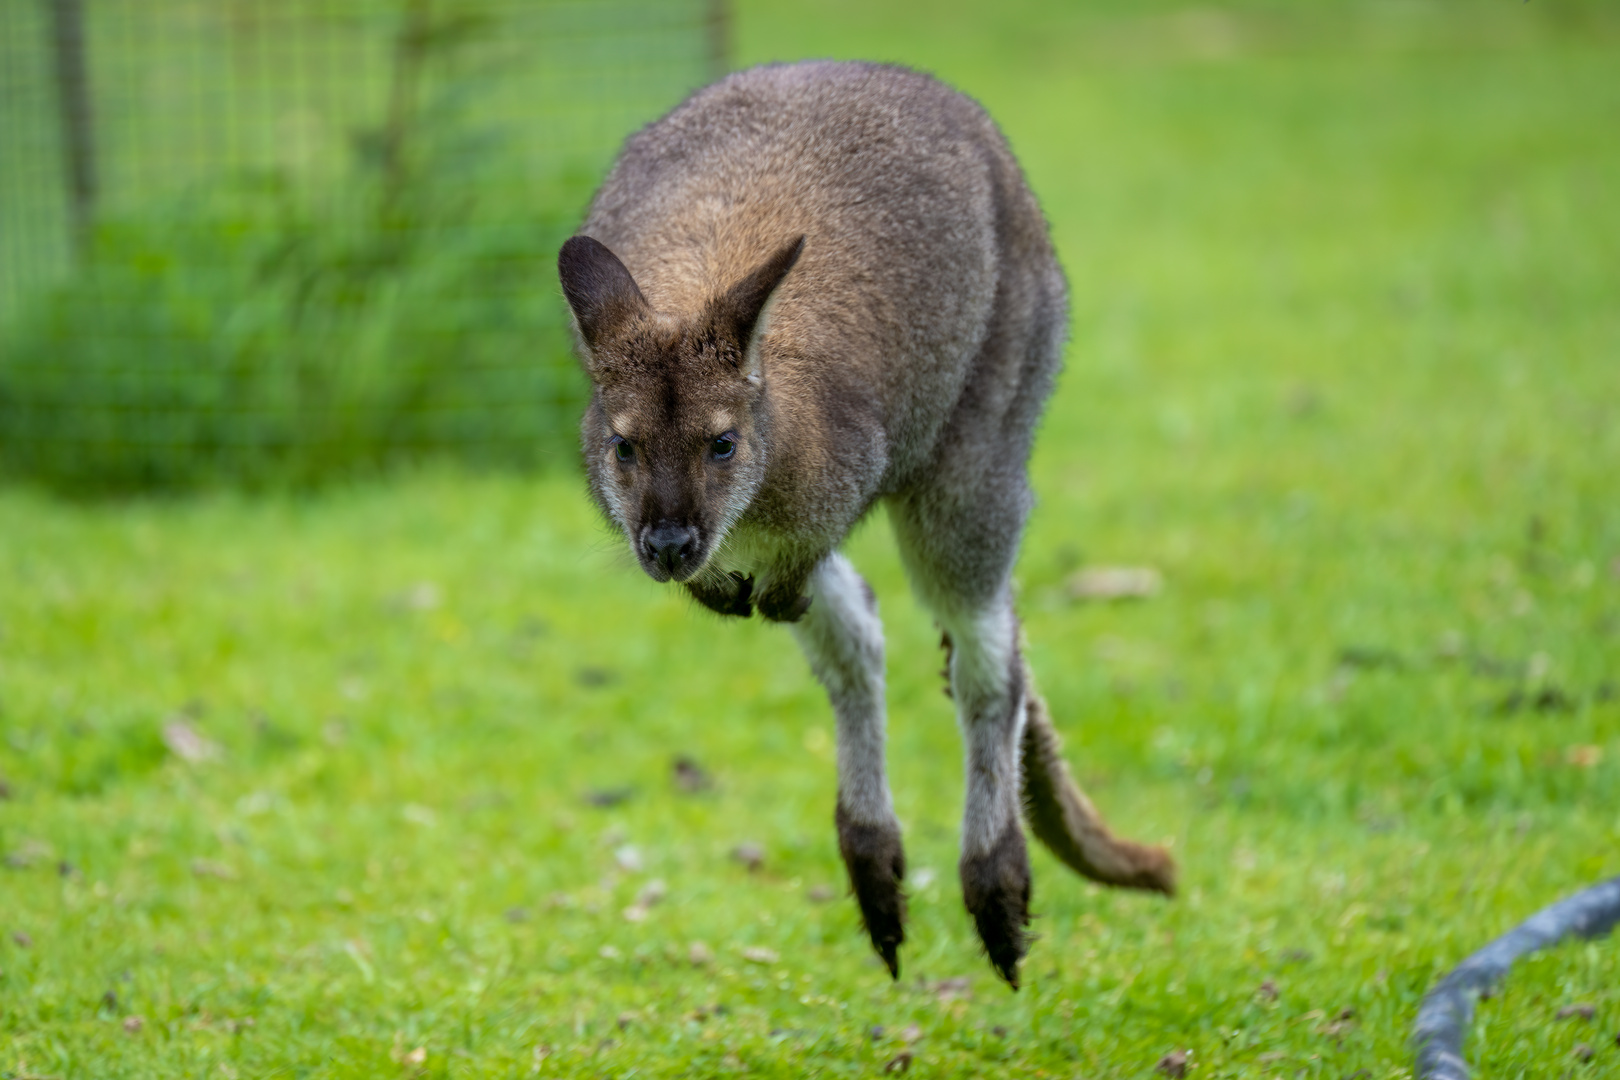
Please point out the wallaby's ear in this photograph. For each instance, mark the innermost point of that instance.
(600, 290)
(741, 309)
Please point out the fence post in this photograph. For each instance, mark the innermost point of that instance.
(78, 134)
(718, 25)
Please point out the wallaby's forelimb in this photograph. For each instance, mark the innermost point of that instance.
(725, 594)
(1064, 820)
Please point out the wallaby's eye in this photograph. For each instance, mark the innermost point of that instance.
(623, 451)
(724, 445)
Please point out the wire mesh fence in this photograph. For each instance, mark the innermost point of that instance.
(271, 241)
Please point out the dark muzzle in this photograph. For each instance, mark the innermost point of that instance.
(669, 545)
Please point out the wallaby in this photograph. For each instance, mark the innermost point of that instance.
(809, 289)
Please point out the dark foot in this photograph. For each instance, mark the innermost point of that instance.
(731, 597)
(877, 866)
(995, 887)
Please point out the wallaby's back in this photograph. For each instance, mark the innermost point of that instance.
(921, 237)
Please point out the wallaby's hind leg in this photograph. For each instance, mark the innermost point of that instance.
(958, 526)
(987, 684)
(843, 640)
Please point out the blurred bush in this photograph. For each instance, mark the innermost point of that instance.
(247, 339)
(291, 270)
(241, 337)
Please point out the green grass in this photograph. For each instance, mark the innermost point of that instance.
(1343, 368)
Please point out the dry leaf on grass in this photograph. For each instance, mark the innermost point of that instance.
(187, 744)
(1581, 1011)
(1115, 583)
(1584, 757)
(749, 854)
(27, 853)
(757, 954)
(899, 1063)
(690, 776)
(423, 596)
(210, 869)
(1173, 1064)
(650, 894)
(1342, 1023)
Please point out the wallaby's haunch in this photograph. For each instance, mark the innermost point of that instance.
(808, 289)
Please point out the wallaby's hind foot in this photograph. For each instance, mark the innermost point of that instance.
(1064, 820)
(877, 865)
(995, 888)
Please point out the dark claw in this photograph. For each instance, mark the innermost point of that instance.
(995, 888)
(877, 865)
(890, 951)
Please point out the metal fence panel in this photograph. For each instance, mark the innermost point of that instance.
(280, 239)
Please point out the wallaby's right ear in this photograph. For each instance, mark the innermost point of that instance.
(600, 290)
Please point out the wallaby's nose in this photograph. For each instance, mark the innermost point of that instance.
(669, 545)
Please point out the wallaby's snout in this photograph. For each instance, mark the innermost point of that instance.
(670, 548)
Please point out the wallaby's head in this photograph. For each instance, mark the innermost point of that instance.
(675, 436)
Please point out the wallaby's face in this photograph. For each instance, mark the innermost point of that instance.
(672, 444)
(674, 436)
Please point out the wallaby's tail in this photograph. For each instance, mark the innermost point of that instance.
(1065, 821)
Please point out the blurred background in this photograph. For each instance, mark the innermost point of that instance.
(272, 241)
(275, 242)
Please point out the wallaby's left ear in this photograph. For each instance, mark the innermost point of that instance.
(742, 308)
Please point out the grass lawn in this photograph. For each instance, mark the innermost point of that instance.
(307, 787)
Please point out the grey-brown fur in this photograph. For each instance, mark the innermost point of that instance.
(808, 289)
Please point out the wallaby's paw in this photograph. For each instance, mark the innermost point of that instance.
(783, 607)
(730, 598)
(995, 888)
(877, 866)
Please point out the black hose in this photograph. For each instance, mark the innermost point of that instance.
(1446, 1010)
